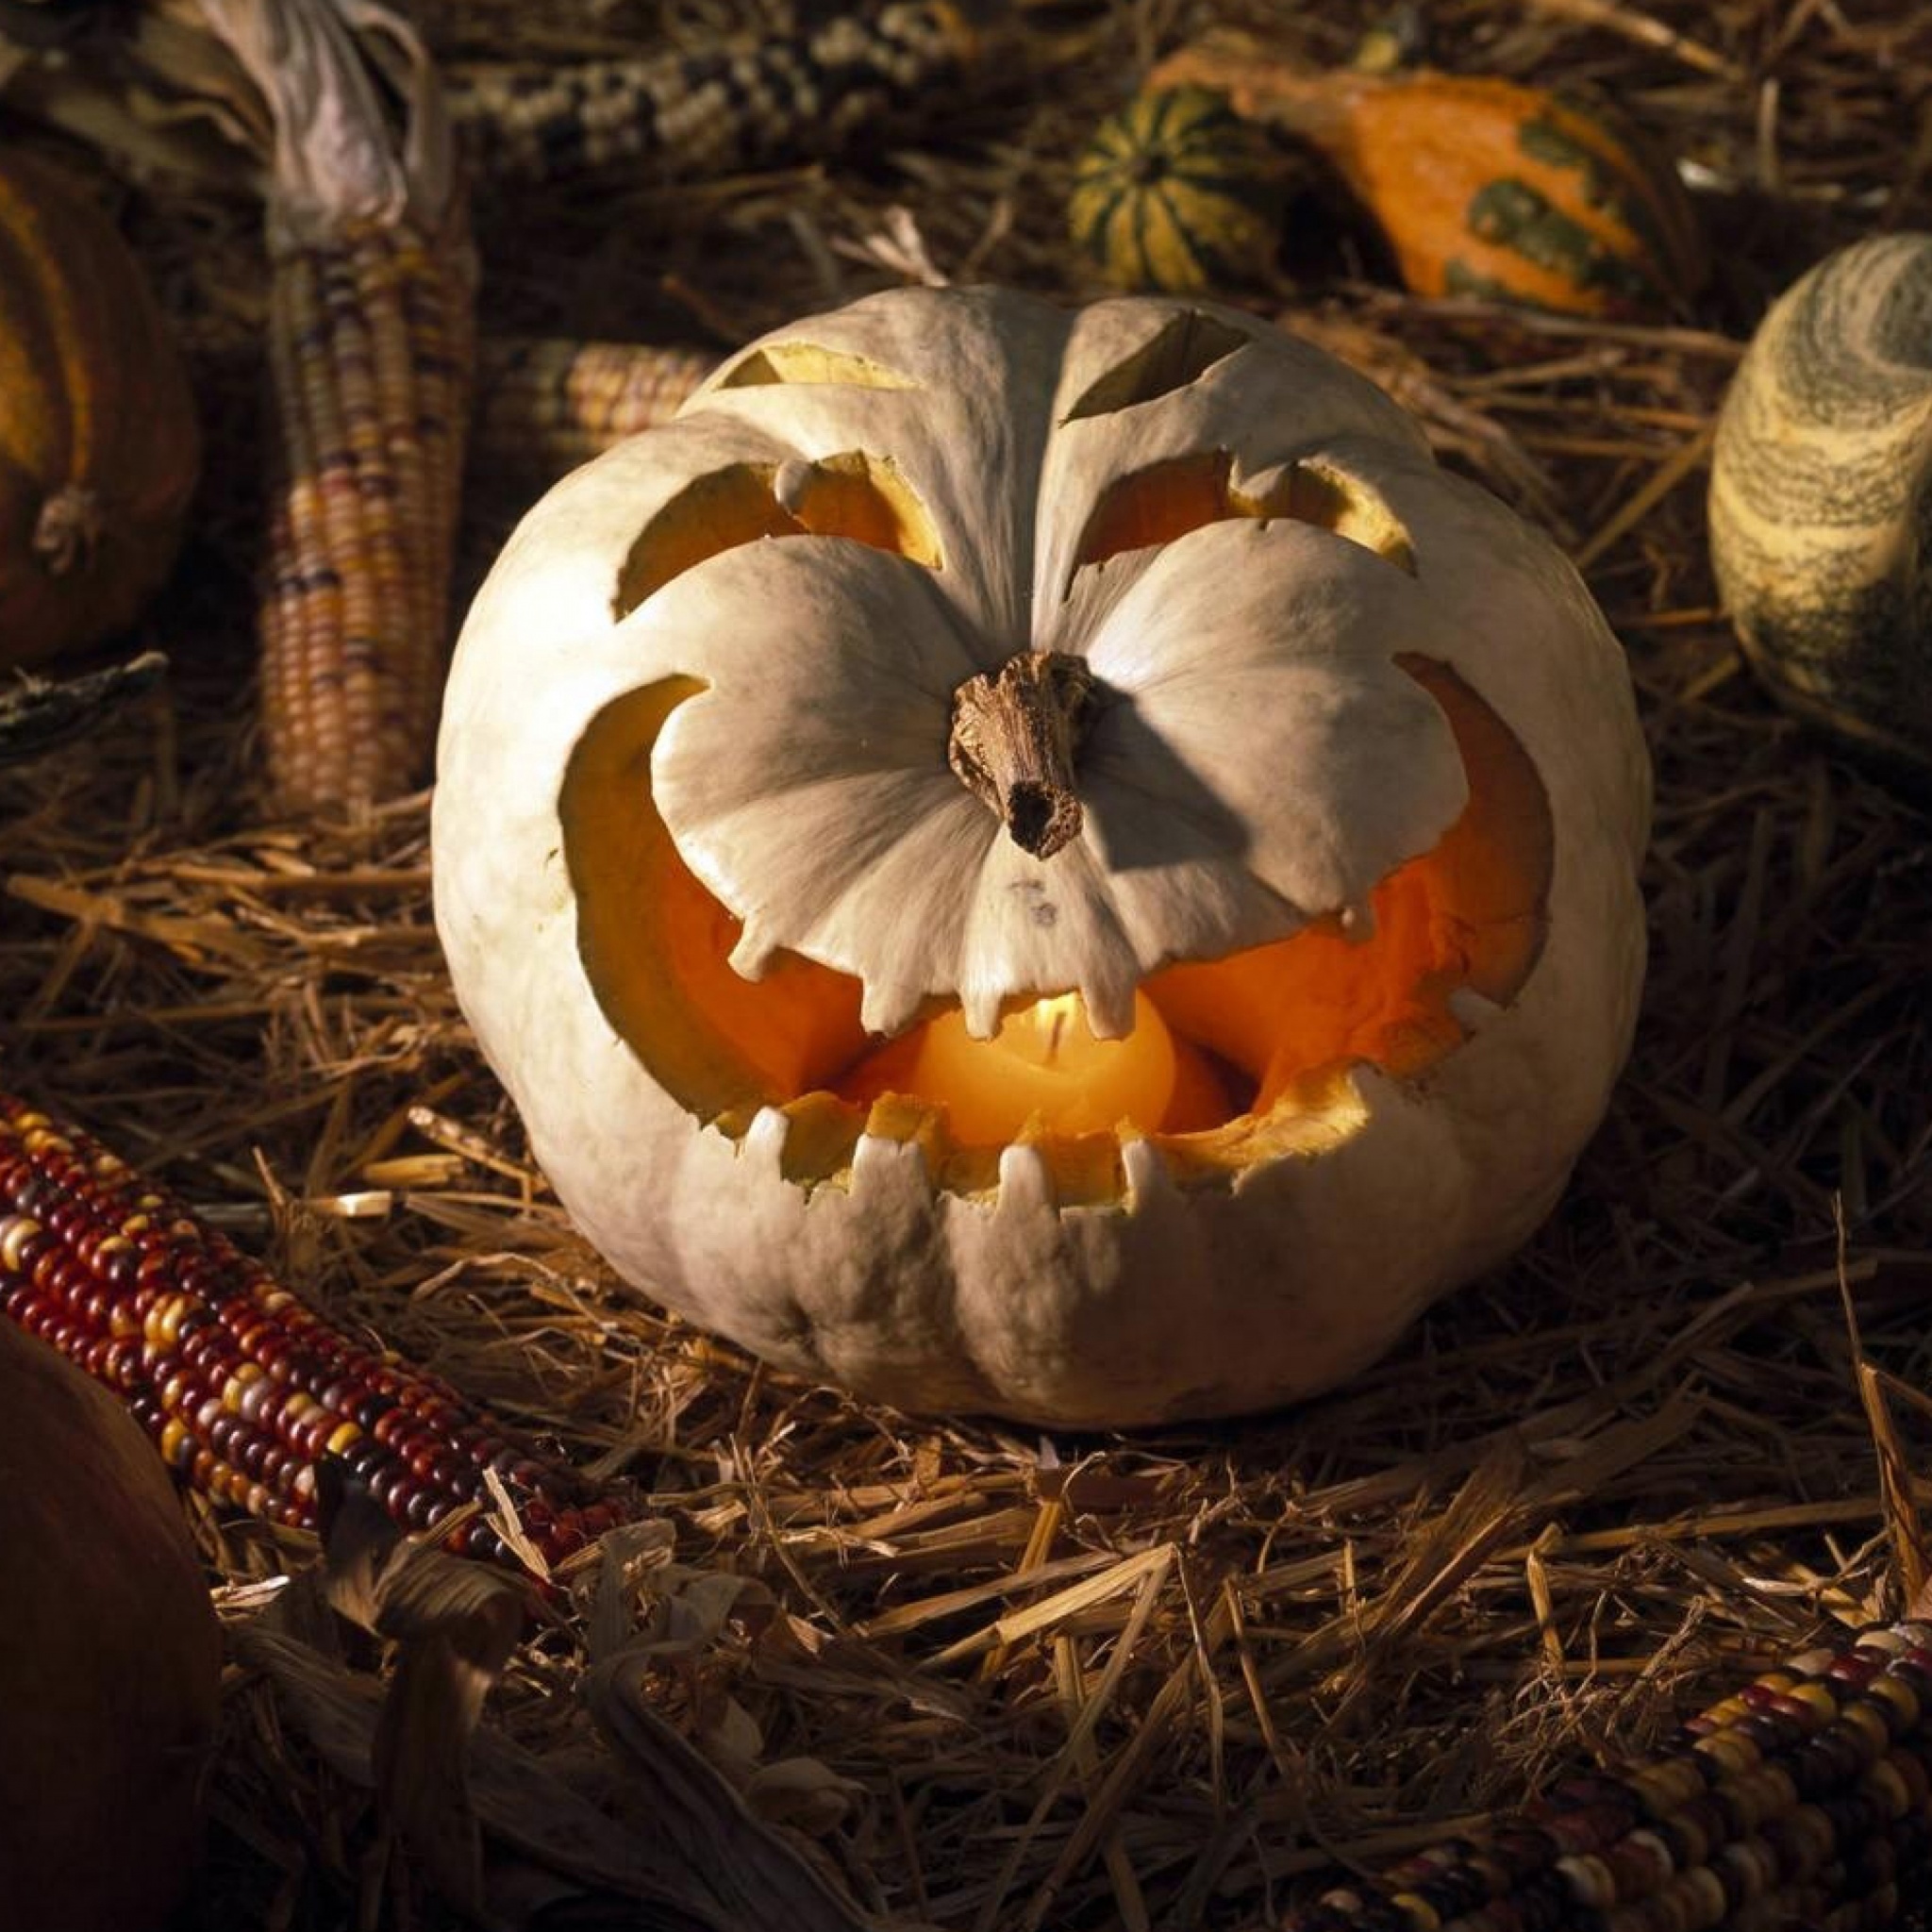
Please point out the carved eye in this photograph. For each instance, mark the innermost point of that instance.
(853, 494)
(1168, 499)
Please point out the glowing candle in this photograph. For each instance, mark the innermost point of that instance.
(1046, 1061)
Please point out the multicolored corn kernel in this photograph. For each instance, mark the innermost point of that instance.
(545, 406)
(1804, 1799)
(244, 1389)
(371, 351)
(693, 114)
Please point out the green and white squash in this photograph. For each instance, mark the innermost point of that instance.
(1179, 193)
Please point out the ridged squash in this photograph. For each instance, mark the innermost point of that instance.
(1177, 192)
(1821, 500)
(1040, 861)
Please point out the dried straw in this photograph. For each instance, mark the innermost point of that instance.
(1168, 1680)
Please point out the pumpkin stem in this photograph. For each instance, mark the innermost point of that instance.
(1015, 733)
(67, 529)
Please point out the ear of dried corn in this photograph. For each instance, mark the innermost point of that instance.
(545, 406)
(1804, 1800)
(370, 357)
(243, 1388)
(689, 114)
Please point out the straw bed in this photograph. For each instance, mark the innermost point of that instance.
(1195, 1678)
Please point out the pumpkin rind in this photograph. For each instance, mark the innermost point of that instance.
(1821, 498)
(1177, 192)
(110, 1670)
(99, 446)
(1072, 1282)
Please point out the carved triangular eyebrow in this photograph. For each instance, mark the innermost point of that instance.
(853, 494)
(806, 362)
(1168, 499)
(1180, 352)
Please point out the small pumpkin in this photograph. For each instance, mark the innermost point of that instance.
(1043, 862)
(99, 446)
(1178, 191)
(110, 1662)
(1821, 496)
(1481, 186)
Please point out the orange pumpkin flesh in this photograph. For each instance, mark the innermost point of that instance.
(109, 1664)
(99, 448)
(1264, 1039)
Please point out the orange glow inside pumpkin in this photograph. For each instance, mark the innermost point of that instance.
(1261, 1043)
(1044, 1070)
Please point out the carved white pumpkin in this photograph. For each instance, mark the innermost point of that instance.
(1043, 862)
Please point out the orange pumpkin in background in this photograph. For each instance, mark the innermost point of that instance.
(99, 446)
(110, 1657)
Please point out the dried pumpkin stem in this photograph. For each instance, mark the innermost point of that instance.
(1016, 732)
(67, 529)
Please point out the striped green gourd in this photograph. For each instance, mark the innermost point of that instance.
(1178, 191)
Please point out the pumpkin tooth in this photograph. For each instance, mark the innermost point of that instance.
(694, 114)
(370, 355)
(1025, 1179)
(1470, 1010)
(242, 1389)
(553, 404)
(1144, 1169)
(1804, 1798)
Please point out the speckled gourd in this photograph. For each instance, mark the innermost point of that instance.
(1481, 185)
(1821, 497)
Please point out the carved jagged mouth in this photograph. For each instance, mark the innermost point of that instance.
(1265, 1040)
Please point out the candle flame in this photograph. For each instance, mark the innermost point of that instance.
(1047, 1022)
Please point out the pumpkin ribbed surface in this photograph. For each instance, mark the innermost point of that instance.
(99, 448)
(1063, 865)
(1177, 192)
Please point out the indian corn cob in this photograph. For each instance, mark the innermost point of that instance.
(547, 405)
(371, 347)
(368, 352)
(241, 1387)
(1802, 1801)
(690, 114)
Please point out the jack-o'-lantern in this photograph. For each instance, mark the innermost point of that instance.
(1045, 862)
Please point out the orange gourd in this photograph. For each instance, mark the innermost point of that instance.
(99, 448)
(1481, 186)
